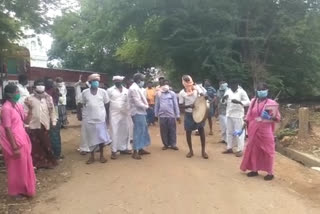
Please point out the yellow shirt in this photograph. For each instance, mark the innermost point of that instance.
(151, 94)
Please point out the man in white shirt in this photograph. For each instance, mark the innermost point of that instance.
(236, 99)
(92, 111)
(22, 86)
(119, 118)
(138, 106)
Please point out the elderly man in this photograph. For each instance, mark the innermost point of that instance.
(236, 99)
(138, 107)
(92, 111)
(119, 118)
(167, 110)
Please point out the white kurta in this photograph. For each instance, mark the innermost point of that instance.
(120, 119)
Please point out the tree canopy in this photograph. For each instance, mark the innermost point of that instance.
(18, 14)
(276, 41)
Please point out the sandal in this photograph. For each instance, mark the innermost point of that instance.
(90, 161)
(189, 155)
(269, 177)
(252, 174)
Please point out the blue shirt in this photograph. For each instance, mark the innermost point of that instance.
(167, 105)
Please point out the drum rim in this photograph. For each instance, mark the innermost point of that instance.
(205, 115)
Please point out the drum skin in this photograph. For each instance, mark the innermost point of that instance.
(201, 110)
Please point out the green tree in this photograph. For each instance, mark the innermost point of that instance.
(15, 15)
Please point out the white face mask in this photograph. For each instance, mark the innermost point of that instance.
(165, 88)
(40, 88)
(60, 84)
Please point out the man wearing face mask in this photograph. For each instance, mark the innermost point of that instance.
(119, 118)
(236, 99)
(93, 112)
(42, 120)
(167, 110)
(221, 110)
(22, 87)
(62, 105)
(138, 107)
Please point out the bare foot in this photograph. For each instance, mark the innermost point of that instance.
(210, 133)
(90, 161)
(189, 155)
(103, 160)
(205, 155)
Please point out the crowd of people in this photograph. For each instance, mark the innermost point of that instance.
(121, 116)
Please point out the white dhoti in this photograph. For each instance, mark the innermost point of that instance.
(92, 135)
(120, 131)
(223, 126)
(235, 124)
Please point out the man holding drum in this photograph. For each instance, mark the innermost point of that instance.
(187, 98)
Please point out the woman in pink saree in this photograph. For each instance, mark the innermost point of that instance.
(16, 146)
(261, 118)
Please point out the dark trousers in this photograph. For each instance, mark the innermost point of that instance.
(55, 139)
(168, 129)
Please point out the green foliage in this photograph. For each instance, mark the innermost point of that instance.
(15, 14)
(276, 41)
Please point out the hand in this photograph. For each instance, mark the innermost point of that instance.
(80, 77)
(236, 101)
(265, 115)
(28, 104)
(179, 120)
(206, 97)
(225, 98)
(16, 153)
(238, 133)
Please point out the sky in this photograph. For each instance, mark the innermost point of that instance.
(46, 39)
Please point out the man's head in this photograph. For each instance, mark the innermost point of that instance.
(49, 83)
(234, 85)
(117, 80)
(39, 86)
(166, 86)
(149, 84)
(23, 79)
(206, 83)
(59, 80)
(161, 79)
(94, 80)
(139, 79)
(223, 85)
(129, 82)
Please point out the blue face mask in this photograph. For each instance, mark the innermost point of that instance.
(141, 84)
(262, 94)
(224, 86)
(94, 84)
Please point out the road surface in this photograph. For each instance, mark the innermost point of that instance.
(167, 182)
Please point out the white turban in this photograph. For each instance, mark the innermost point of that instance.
(119, 78)
(94, 77)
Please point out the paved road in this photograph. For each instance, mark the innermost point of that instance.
(167, 182)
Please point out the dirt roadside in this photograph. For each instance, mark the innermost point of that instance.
(167, 182)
